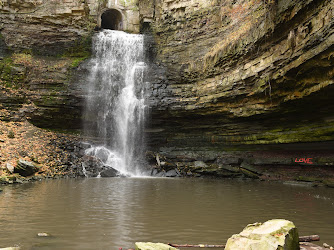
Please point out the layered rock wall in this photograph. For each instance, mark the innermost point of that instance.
(224, 75)
(42, 43)
(242, 72)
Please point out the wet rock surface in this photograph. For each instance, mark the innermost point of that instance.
(262, 165)
(26, 168)
(94, 167)
(245, 77)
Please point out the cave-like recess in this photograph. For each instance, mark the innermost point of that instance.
(112, 19)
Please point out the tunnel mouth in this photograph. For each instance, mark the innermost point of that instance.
(112, 19)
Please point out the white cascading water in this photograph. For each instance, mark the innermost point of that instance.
(116, 100)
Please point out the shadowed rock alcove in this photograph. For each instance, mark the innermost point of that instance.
(112, 19)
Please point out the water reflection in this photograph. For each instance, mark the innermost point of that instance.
(116, 212)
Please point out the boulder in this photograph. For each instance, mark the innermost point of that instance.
(271, 235)
(173, 173)
(153, 246)
(26, 168)
(90, 166)
(161, 174)
(109, 172)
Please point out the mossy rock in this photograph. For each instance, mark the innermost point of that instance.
(3, 180)
(26, 168)
(308, 179)
(271, 235)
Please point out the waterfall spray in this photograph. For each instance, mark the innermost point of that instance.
(116, 101)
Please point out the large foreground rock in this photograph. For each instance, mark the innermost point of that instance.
(271, 235)
(153, 246)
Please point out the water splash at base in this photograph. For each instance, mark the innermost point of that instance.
(116, 106)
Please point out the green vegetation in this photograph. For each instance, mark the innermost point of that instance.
(11, 76)
(80, 51)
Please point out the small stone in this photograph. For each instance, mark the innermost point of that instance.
(43, 235)
(200, 164)
(154, 172)
(327, 246)
(10, 167)
(172, 173)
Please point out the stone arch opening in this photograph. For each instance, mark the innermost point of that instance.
(112, 19)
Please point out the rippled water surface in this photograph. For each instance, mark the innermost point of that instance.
(116, 212)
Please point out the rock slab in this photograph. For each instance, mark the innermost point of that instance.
(271, 235)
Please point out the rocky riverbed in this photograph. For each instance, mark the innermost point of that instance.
(29, 153)
(42, 153)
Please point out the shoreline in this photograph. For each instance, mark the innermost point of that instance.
(59, 155)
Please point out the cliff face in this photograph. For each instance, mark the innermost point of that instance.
(43, 27)
(42, 43)
(242, 72)
(224, 75)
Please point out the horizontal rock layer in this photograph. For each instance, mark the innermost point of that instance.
(223, 76)
(247, 72)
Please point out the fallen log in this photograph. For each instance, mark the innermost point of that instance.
(199, 245)
(307, 238)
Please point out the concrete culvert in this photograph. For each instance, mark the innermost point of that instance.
(112, 19)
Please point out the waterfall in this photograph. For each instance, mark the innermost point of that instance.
(115, 105)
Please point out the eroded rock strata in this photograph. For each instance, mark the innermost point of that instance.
(248, 72)
(243, 76)
(227, 79)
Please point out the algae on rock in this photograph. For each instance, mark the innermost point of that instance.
(274, 234)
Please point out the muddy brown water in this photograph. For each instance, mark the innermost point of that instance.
(110, 213)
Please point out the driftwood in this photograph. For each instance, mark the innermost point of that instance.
(308, 238)
(200, 245)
